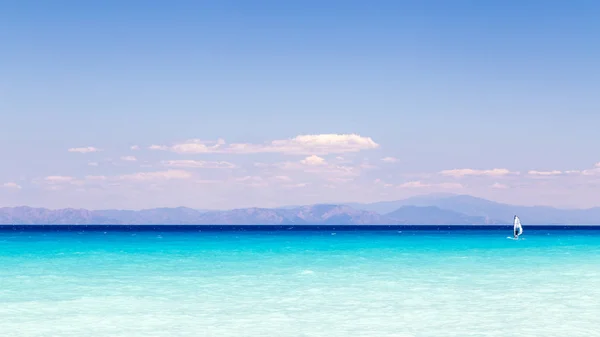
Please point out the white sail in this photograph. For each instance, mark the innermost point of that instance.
(518, 230)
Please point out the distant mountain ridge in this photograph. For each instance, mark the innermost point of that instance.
(432, 215)
(315, 214)
(440, 209)
(494, 212)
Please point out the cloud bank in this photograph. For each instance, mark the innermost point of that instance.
(321, 144)
(88, 149)
(472, 172)
(12, 185)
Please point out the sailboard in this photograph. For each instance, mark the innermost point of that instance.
(517, 228)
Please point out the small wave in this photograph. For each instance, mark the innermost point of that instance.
(307, 272)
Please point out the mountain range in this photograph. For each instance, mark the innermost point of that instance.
(442, 209)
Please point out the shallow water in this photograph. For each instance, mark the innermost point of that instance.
(308, 283)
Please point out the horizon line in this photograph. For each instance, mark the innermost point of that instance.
(290, 228)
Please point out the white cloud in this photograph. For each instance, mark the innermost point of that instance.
(367, 166)
(193, 146)
(419, 184)
(96, 178)
(321, 144)
(59, 179)
(339, 180)
(157, 175)
(544, 173)
(591, 172)
(499, 186)
(587, 172)
(56, 181)
(380, 182)
(198, 146)
(471, 172)
(208, 181)
(313, 160)
(299, 145)
(324, 169)
(158, 147)
(92, 163)
(317, 165)
(12, 185)
(249, 178)
(198, 164)
(254, 181)
(414, 184)
(135, 147)
(282, 178)
(128, 158)
(88, 149)
(389, 160)
(299, 185)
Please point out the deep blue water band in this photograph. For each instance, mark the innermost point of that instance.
(218, 228)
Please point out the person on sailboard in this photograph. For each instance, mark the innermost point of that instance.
(517, 227)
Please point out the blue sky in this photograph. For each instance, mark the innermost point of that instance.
(437, 85)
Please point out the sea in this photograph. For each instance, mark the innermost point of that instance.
(304, 281)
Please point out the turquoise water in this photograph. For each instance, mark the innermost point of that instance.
(353, 283)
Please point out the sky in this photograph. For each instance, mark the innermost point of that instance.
(227, 104)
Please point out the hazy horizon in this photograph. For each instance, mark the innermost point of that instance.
(339, 203)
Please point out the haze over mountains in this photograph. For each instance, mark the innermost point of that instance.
(422, 210)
